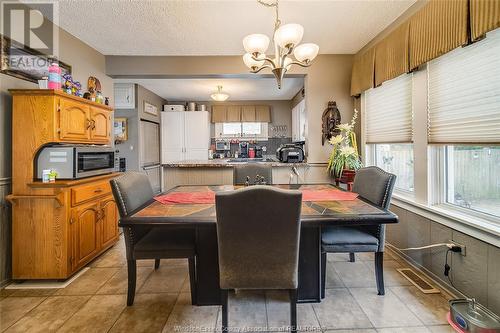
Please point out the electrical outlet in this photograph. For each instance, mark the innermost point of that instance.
(460, 245)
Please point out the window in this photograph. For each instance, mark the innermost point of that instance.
(242, 130)
(473, 178)
(231, 129)
(397, 159)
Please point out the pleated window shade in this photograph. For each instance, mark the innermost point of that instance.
(484, 17)
(389, 113)
(391, 55)
(437, 28)
(362, 72)
(464, 94)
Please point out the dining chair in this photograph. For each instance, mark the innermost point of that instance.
(251, 170)
(374, 185)
(258, 232)
(131, 191)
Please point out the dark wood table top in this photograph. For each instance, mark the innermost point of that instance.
(344, 212)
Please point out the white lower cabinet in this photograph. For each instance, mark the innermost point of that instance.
(185, 135)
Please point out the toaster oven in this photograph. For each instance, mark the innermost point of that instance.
(75, 161)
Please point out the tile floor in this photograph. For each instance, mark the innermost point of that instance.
(95, 302)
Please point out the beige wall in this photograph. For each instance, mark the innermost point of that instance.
(85, 62)
(328, 78)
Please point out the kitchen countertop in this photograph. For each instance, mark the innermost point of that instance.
(223, 163)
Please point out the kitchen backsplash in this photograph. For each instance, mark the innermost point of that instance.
(271, 145)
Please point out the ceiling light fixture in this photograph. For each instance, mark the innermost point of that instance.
(286, 41)
(219, 96)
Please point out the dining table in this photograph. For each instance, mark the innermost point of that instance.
(193, 207)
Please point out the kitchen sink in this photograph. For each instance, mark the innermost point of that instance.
(250, 160)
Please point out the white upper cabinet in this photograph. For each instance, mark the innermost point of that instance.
(124, 95)
(185, 136)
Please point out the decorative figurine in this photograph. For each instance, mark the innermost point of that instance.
(106, 100)
(68, 83)
(77, 87)
(93, 85)
(330, 119)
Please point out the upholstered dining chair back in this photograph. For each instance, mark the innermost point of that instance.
(258, 230)
(252, 170)
(131, 190)
(375, 185)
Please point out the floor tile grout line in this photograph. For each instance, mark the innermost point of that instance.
(24, 315)
(359, 305)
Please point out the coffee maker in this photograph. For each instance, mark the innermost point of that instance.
(244, 149)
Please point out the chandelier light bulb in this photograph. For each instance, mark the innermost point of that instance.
(306, 52)
(288, 35)
(251, 63)
(219, 96)
(256, 43)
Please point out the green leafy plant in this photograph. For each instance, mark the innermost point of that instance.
(344, 153)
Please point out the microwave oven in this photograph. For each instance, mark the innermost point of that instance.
(75, 161)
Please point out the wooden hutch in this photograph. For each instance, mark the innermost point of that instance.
(58, 227)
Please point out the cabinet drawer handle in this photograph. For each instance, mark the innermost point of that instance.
(89, 123)
(93, 124)
(98, 190)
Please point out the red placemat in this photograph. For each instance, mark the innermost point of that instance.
(208, 197)
(327, 195)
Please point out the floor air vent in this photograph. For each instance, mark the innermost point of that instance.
(418, 281)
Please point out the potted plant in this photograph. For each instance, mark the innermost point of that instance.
(344, 159)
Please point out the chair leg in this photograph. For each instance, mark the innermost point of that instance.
(352, 257)
(157, 264)
(224, 299)
(293, 310)
(132, 275)
(323, 273)
(379, 272)
(192, 280)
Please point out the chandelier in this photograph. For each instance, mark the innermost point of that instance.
(219, 96)
(286, 41)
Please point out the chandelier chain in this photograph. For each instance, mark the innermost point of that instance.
(274, 4)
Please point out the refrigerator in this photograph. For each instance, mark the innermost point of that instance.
(149, 157)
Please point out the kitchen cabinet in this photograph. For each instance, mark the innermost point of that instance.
(124, 95)
(84, 220)
(100, 129)
(83, 122)
(185, 136)
(74, 120)
(299, 122)
(58, 227)
(109, 221)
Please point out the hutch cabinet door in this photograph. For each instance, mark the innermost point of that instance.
(86, 232)
(109, 221)
(74, 120)
(100, 129)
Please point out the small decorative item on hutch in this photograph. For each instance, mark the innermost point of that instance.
(330, 119)
(93, 85)
(344, 159)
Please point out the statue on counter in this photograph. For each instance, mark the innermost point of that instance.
(330, 121)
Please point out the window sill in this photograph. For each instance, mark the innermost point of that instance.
(474, 226)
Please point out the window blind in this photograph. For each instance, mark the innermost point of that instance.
(389, 112)
(464, 94)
